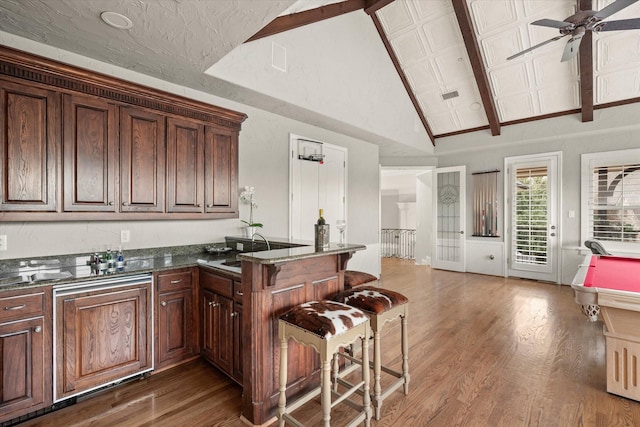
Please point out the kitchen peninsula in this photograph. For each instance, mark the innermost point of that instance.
(199, 307)
(273, 282)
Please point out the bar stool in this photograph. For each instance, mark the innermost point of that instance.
(353, 278)
(326, 326)
(382, 306)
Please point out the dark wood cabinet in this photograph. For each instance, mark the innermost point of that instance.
(25, 356)
(103, 334)
(220, 327)
(77, 145)
(90, 154)
(221, 170)
(185, 177)
(238, 362)
(142, 160)
(176, 319)
(29, 147)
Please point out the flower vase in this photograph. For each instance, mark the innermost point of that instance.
(250, 231)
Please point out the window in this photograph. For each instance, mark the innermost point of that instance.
(611, 196)
(530, 218)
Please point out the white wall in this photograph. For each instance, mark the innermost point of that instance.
(263, 158)
(614, 130)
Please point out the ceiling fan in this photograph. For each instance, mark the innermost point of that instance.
(579, 23)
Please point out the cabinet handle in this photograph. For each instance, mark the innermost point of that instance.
(209, 206)
(110, 203)
(125, 203)
(163, 303)
(234, 314)
(239, 293)
(213, 304)
(173, 282)
(17, 307)
(37, 329)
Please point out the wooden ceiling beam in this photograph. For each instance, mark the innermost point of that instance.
(479, 71)
(586, 69)
(300, 19)
(403, 77)
(374, 5)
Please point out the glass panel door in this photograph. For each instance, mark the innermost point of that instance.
(449, 204)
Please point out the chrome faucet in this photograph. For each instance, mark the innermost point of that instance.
(253, 238)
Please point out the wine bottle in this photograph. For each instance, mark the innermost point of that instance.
(321, 220)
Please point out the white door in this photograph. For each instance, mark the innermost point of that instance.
(449, 218)
(316, 185)
(533, 226)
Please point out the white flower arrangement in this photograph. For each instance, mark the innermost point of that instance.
(246, 196)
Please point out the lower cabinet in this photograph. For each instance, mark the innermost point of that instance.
(176, 319)
(25, 358)
(103, 334)
(221, 324)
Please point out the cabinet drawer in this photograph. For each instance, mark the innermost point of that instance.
(21, 306)
(173, 281)
(220, 285)
(237, 291)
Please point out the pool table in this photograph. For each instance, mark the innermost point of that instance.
(609, 286)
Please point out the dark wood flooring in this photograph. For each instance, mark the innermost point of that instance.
(484, 351)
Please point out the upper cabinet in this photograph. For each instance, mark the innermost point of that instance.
(78, 145)
(185, 152)
(221, 170)
(142, 152)
(89, 154)
(29, 144)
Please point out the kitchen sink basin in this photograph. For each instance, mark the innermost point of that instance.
(232, 263)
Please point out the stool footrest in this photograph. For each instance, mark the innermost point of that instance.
(343, 397)
(393, 387)
(304, 399)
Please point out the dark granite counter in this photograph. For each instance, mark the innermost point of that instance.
(21, 273)
(297, 253)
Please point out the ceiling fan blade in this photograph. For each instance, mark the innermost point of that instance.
(621, 24)
(614, 7)
(571, 48)
(551, 23)
(535, 47)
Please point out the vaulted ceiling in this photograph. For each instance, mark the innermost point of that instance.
(450, 55)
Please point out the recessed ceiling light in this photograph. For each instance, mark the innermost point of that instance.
(475, 106)
(116, 20)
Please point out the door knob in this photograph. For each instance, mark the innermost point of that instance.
(163, 303)
(37, 329)
(461, 231)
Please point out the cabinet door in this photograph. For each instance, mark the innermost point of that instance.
(175, 326)
(142, 160)
(185, 151)
(221, 170)
(90, 147)
(29, 147)
(217, 330)
(102, 335)
(22, 360)
(238, 370)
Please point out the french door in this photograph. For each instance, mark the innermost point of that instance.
(533, 223)
(449, 218)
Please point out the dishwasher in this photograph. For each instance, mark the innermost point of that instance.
(102, 333)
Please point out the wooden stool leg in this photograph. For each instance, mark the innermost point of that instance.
(377, 387)
(325, 397)
(366, 399)
(282, 400)
(336, 371)
(405, 355)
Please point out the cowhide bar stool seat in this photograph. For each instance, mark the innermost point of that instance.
(382, 306)
(353, 278)
(326, 326)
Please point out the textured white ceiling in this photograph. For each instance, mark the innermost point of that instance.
(427, 41)
(177, 40)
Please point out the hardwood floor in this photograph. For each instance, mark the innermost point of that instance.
(484, 351)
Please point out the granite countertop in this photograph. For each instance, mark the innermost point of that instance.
(296, 253)
(21, 273)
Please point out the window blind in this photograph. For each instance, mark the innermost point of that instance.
(530, 211)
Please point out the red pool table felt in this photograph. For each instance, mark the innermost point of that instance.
(622, 274)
